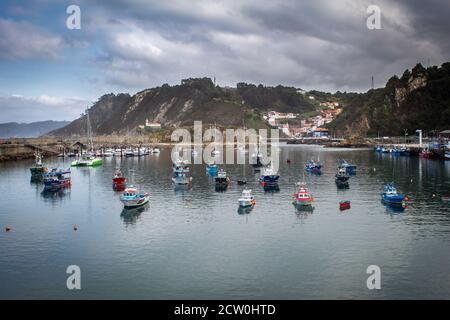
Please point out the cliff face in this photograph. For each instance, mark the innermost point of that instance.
(180, 105)
(419, 99)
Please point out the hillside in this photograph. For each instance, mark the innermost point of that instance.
(180, 105)
(29, 130)
(419, 99)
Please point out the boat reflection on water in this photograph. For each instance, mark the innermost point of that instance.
(394, 209)
(131, 216)
(273, 187)
(55, 195)
(245, 210)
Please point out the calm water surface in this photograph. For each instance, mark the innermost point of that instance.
(193, 243)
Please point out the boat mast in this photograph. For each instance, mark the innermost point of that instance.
(89, 131)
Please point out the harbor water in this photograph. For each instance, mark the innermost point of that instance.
(193, 243)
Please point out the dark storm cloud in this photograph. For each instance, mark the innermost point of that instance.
(311, 44)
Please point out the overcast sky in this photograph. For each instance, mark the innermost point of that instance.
(50, 72)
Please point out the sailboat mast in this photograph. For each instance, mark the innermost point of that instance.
(89, 131)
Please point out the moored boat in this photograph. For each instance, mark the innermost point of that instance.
(87, 160)
(181, 173)
(390, 196)
(222, 180)
(425, 153)
(313, 167)
(212, 168)
(349, 168)
(156, 150)
(57, 179)
(246, 199)
(342, 178)
(344, 205)
(38, 171)
(268, 176)
(303, 197)
(119, 181)
(131, 198)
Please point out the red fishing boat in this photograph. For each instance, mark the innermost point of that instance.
(425, 153)
(119, 181)
(302, 197)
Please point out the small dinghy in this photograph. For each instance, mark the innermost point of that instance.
(247, 199)
(131, 198)
(313, 167)
(344, 205)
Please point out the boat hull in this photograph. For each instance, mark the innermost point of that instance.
(135, 203)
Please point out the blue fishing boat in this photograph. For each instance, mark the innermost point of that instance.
(313, 167)
(212, 169)
(268, 176)
(349, 168)
(56, 179)
(390, 195)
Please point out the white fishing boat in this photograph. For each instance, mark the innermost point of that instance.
(181, 172)
(131, 198)
(156, 150)
(246, 199)
(118, 152)
(108, 153)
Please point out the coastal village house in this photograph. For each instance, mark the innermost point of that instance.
(150, 125)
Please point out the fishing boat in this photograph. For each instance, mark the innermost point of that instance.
(447, 155)
(108, 153)
(342, 178)
(313, 167)
(222, 180)
(349, 168)
(71, 155)
(156, 150)
(38, 170)
(268, 176)
(426, 153)
(119, 181)
(131, 198)
(303, 197)
(212, 168)
(129, 153)
(390, 195)
(404, 151)
(181, 172)
(56, 179)
(118, 153)
(247, 199)
(344, 205)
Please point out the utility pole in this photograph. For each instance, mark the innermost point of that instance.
(372, 83)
